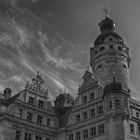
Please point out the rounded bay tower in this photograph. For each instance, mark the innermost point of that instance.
(109, 57)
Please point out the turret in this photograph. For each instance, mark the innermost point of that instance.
(116, 97)
(64, 100)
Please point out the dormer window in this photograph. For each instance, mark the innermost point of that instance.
(84, 99)
(102, 48)
(120, 48)
(31, 100)
(40, 103)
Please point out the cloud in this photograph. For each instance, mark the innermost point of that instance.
(16, 78)
(28, 65)
(58, 62)
(1, 87)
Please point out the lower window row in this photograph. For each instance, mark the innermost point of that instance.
(86, 133)
(28, 136)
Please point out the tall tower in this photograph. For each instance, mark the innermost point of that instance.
(109, 55)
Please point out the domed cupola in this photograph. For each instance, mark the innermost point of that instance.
(107, 25)
(107, 28)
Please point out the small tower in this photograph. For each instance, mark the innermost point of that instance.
(7, 93)
(116, 101)
(109, 55)
(64, 100)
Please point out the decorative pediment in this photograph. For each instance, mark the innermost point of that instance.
(37, 85)
(111, 39)
(89, 80)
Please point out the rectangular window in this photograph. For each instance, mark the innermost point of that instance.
(29, 116)
(31, 100)
(117, 102)
(20, 113)
(101, 129)
(27, 136)
(100, 110)
(78, 118)
(139, 129)
(38, 138)
(92, 96)
(78, 136)
(110, 104)
(48, 121)
(92, 112)
(132, 128)
(17, 135)
(137, 114)
(71, 137)
(93, 131)
(39, 119)
(85, 133)
(40, 103)
(85, 116)
(84, 99)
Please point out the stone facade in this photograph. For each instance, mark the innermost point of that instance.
(102, 110)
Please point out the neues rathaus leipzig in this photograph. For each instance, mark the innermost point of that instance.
(102, 110)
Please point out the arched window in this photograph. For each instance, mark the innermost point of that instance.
(110, 46)
(120, 48)
(124, 66)
(102, 48)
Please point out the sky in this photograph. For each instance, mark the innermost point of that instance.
(54, 37)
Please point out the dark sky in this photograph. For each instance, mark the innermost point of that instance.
(54, 37)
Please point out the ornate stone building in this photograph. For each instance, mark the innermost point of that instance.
(102, 110)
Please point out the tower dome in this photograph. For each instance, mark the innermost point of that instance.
(107, 28)
(107, 24)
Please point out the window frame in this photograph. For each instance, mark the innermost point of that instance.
(29, 116)
(31, 100)
(18, 135)
(40, 103)
(39, 119)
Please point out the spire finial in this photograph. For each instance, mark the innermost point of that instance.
(106, 13)
(87, 68)
(38, 72)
